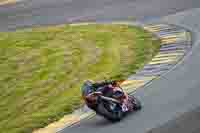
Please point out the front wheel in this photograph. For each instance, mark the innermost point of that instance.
(112, 112)
(136, 103)
(115, 116)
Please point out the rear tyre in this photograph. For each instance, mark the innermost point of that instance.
(138, 105)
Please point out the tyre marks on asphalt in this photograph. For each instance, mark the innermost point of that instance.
(175, 43)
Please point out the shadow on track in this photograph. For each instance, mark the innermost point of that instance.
(100, 122)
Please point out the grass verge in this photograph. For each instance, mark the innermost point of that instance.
(42, 69)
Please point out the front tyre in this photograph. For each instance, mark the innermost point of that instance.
(116, 113)
(136, 103)
(115, 116)
(113, 112)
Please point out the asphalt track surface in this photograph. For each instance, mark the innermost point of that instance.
(39, 12)
(171, 103)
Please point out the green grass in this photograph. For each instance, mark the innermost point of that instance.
(42, 69)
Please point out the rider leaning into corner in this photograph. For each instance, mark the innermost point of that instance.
(110, 89)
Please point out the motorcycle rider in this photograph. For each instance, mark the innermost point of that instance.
(110, 89)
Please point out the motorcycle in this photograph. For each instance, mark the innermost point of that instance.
(110, 108)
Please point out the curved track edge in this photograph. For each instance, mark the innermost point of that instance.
(176, 42)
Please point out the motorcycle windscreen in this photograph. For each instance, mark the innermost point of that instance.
(118, 94)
